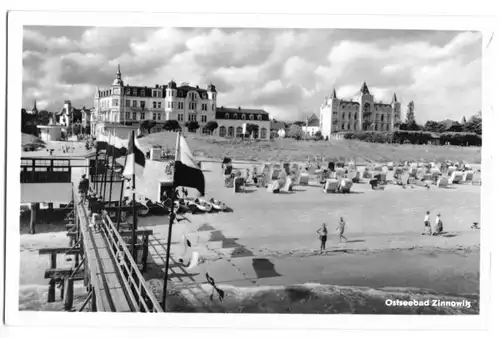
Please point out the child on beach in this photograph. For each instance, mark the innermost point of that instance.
(427, 224)
(341, 229)
(323, 233)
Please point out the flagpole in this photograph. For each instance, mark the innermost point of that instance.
(113, 163)
(134, 214)
(172, 216)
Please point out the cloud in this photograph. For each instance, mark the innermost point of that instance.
(285, 71)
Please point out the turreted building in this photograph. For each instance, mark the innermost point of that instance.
(362, 113)
(129, 105)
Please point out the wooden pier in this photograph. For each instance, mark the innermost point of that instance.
(102, 260)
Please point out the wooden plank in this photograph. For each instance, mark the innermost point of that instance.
(128, 233)
(49, 251)
(61, 273)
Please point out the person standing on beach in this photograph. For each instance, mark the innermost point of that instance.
(323, 234)
(341, 229)
(427, 224)
(439, 226)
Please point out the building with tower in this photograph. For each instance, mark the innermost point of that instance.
(127, 105)
(362, 113)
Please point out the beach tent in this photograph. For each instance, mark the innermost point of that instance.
(442, 182)
(288, 185)
(345, 185)
(239, 184)
(469, 175)
(273, 187)
(390, 165)
(304, 179)
(331, 186)
(451, 170)
(456, 177)
(405, 176)
(340, 173)
(275, 173)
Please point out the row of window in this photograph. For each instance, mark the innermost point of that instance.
(230, 132)
(242, 116)
(132, 116)
(355, 115)
(156, 104)
(354, 126)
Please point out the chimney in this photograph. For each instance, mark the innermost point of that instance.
(239, 108)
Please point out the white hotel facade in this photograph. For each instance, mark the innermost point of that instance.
(127, 106)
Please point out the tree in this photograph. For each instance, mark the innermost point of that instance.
(211, 126)
(410, 112)
(433, 126)
(474, 125)
(252, 129)
(300, 123)
(144, 125)
(171, 125)
(295, 132)
(193, 126)
(403, 126)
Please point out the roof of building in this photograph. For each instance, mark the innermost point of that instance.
(278, 125)
(447, 123)
(364, 89)
(313, 121)
(220, 113)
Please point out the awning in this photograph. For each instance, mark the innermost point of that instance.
(46, 192)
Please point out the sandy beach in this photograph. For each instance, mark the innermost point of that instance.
(268, 244)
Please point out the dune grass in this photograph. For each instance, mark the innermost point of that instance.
(293, 150)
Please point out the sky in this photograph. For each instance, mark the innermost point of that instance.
(287, 72)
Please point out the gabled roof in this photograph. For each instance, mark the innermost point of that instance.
(447, 123)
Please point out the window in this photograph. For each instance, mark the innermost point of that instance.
(159, 104)
(343, 117)
(192, 105)
(222, 131)
(367, 108)
(355, 116)
(230, 131)
(250, 117)
(203, 118)
(382, 118)
(239, 132)
(154, 104)
(349, 115)
(143, 116)
(134, 116)
(127, 103)
(243, 116)
(143, 92)
(235, 116)
(180, 105)
(191, 117)
(115, 102)
(134, 103)
(204, 106)
(135, 92)
(154, 116)
(213, 106)
(127, 92)
(143, 104)
(259, 117)
(226, 116)
(180, 117)
(127, 115)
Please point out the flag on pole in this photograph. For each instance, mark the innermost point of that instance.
(135, 162)
(187, 173)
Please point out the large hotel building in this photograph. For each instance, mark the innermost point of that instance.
(361, 114)
(127, 106)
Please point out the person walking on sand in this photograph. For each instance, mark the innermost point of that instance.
(439, 226)
(323, 234)
(427, 224)
(341, 229)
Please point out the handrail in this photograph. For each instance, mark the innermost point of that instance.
(141, 292)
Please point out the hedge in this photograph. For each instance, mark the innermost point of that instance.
(416, 137)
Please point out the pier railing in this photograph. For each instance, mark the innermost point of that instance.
(139, 292)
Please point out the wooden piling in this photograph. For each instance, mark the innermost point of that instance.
(34, 211)
(68, 294)
(51, 297)
(53, 260)
(145, 251)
